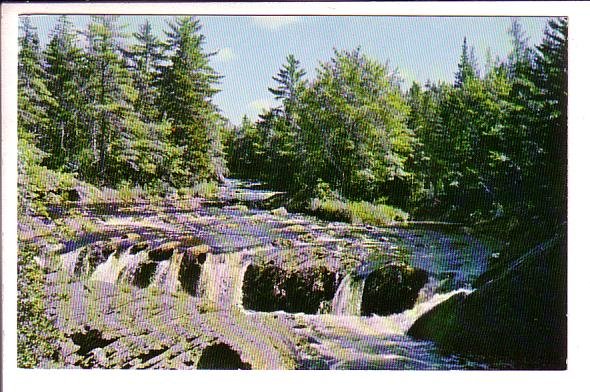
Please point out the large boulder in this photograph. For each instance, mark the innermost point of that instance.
(270, 287)
(220, 356)
(391, 289)
(520, 316)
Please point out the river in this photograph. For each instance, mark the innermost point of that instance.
(233, 232)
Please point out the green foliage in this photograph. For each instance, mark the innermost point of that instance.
(38, 339)
(112, 116)
(185, 89)
(357, 212)
(204, 189)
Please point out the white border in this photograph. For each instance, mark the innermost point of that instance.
(75, 380)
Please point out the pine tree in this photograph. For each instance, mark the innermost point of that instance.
(551, 71)
(467, 65)
(108, 112)
(185, 90)
(63, 68)
(283, 143)
(144, 58)
(33, 96)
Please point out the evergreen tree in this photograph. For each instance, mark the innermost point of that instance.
(144, 58)
(33, 96)
(283, 142)
(64, 74)
(109, 113)
(185, 90)
(551, 72)
(467, 65)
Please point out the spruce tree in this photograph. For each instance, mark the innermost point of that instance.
(144, 58)
(186, 85)
(64, 74)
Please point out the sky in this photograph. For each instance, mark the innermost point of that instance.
(250, 50)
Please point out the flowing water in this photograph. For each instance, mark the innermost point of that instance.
(221, 280)
(349, 296)
(342, 339)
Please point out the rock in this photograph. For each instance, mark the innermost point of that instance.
(71, 194)
(281, 211)
(190, 267)
(144, 273)
(221, 356)
(271, 287)
(138, 247)
(133, 237)
(93, 255)
(520, 316)
(164, 251)
(238, 207)
(391, 289)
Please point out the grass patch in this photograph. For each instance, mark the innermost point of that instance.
(204, 189)
(357, 212)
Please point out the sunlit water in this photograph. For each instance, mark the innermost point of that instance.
(342, 339)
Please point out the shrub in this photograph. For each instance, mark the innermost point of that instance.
(205, 189)
(37, 338)
(357, 212)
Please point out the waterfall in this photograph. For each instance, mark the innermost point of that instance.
(131, 265)
(348, 298)
(401, 322)
(222, 276)
(110, 270)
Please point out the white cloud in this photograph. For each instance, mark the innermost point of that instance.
(262, 104)
(274, 22)
(225, 54)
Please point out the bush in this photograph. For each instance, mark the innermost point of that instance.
(357, 212)
(206, 189)
(37, 338)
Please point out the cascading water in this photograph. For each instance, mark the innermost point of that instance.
(221, 280)
(110, 270)
(349, 296)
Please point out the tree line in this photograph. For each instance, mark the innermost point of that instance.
(115, 113)
(491, 144)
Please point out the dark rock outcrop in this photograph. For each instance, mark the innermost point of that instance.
(270, 287)
(220, 356)
(144, 274)
(391, 289)
(164, 251)
(190, 267)
(520, 316)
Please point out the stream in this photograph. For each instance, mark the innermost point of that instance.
(234, 236)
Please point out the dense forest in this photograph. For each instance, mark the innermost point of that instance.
(133, 113)
(121, 112)
(490, 145)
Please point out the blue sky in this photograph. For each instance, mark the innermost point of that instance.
(252, 49)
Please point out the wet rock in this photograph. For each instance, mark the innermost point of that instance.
(271, 287)
(144, 273)
(90, 339)
(164, 251)
(140, 246)
(221, 356)
(93, 255)
(520, 316)
(281, 211)
(133, 237)
(190, 267)
(391, 289)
